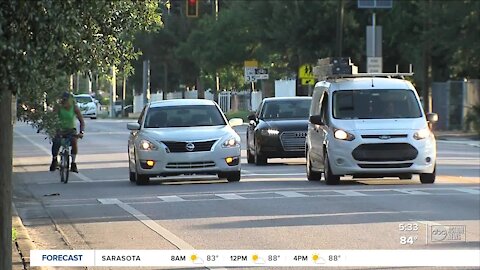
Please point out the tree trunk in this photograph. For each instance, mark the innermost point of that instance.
(6, 142)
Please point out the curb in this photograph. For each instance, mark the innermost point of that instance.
(23, 243)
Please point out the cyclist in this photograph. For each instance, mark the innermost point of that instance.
(67, 110)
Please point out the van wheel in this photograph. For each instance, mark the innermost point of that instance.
(311, 174)
(141, 179)
(428, 178)
(330, 178)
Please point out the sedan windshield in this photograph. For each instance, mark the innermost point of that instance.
(286, 109)
(184, 116)
(375, 104)
(83, 99)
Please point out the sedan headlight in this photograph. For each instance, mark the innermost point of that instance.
(422, 134)
(343, 135)
(270, 132)
(146, 145)
(232, 142)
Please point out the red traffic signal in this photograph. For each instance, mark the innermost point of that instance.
(192, 8)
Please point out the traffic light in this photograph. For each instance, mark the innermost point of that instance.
(192, 8)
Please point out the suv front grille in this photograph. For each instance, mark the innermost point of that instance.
(293, 140)
(181, 147)
(385, 152)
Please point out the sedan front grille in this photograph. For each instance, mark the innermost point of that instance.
(190, 165)
(293, 140)
(385, 152)
(182, 147)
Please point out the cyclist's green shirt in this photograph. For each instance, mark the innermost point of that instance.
(67, 117)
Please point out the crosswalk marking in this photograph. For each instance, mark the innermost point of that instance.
(411, 192)
(291, 194)
(350, 193)
(230, 196)
(171, 198)
(468, 190)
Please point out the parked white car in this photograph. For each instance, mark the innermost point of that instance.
(183, 136)
(369, 127)
(87, 105)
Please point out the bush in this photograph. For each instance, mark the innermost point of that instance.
(14, 235)
(472, 121)
(239, 114)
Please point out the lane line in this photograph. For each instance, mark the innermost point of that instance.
(412, 192)
(469, 190)
(157, 228)
(291, 194)
(230, 196)
(171, 198)
(49, 153)
(350, 193)
(169, 236)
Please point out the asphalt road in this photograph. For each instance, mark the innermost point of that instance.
(273, 207)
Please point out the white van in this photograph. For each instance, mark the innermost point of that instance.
(368, 126)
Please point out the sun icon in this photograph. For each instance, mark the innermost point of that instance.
(196, 259)
(317, 259)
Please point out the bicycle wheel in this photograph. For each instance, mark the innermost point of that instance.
(64, 166)
(61, 168)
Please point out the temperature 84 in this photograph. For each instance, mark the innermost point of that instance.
(408, 240)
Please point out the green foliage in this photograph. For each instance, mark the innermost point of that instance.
(41, 42)
(14, 235)
(239, 114)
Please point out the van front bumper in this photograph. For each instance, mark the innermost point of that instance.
(402, 156)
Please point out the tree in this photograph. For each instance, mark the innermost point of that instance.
(41, 44)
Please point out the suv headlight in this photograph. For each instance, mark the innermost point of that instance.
(231, 142)
(270, 132)
(341, 134)
(146, 145)
(422, 134)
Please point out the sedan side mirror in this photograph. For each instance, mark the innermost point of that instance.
(316, 119)
(432, 117)
(235, 122)
(133, 126)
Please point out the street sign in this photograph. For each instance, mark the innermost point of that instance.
(375, 3)
(374, 65)
(261, 74)
(306, 72)
(308, 81)
(250, 67)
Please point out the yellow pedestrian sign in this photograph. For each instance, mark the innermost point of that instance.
(305, 74)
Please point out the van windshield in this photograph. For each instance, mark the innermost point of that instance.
(375, 104)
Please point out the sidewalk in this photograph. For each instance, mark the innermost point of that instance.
(22, 246)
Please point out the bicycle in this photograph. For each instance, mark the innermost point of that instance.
(65, 149)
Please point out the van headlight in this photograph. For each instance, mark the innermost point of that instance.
(343, 135)
(146, 145)
(422, 134)
(270, 132)
(231, 142)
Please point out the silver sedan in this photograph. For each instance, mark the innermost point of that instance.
(184, 136)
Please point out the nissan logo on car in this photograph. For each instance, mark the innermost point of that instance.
(190, 147)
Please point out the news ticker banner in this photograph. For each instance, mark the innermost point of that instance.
(249, 258)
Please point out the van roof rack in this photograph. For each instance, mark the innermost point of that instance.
(368, 75)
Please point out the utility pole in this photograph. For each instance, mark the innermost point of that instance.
(217, 76)
(124, 91)
(146, 82)
(113, 92)
(340, 15)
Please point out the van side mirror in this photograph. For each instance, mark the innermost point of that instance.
(133, 126)
(432, 117)
(252, 117)
(316, 120)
